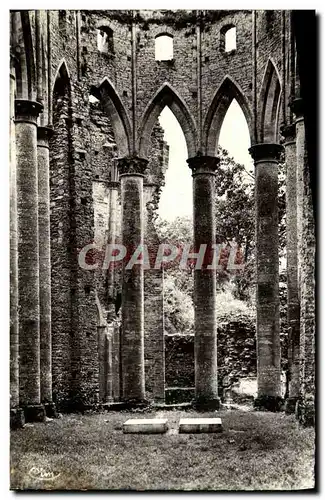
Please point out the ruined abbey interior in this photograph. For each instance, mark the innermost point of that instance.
(87, 164)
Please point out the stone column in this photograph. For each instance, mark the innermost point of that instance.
(16, 414)
(306, 273)
(296, 106)
(116, 362)
(293, 314)
(109, 363)
(266, 157)
(28, 258)
(43, 160)
(113, 186)
(205, 342)
(131, 171)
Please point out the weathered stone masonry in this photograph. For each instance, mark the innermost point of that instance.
(70, 327)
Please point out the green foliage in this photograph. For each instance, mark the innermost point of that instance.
(234, 202)
(235, 214)
(229, 308)
(179, 311)
(178, 232)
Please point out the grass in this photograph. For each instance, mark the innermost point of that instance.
(255, 451)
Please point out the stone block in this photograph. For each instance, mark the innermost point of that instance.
(145, 426)
(200, 425)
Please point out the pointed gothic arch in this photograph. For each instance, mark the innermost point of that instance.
(116, 111)
(167, 96)
(62, 82)
(268, 104)
(62, 72)
(227, 91)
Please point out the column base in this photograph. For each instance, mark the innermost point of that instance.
(50, 410)
(269, 403)
(136, 404)
(203, 404)
(35, 413)
(290, 405)
(17, 418)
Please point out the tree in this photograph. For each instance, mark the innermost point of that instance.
(235, 213)
(235, 219)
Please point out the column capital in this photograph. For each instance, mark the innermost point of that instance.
(27, 111)
(288, 133)
(266, 152)
(297, 107)
(43, 136)
(132, 165)
(203, 164)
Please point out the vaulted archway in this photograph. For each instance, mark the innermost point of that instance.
(167, 96)
(227, 91)
(116, 111)
(61, 72)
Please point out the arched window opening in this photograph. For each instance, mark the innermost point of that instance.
(92, 99)
(105, 40)
(164, 48)
(269, 18)
(228, 41)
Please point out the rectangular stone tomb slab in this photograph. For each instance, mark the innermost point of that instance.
(200, 425)
(145, 426)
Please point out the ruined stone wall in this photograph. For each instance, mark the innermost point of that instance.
(61, 256)
(92, 129)
(236, 358)
(116, 64)
(217, 64)
(89, 137)
(74, 200)
(268, 42)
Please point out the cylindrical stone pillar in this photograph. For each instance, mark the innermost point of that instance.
(111, 313)
(109, 363)
(266, 157)
(16, 414)
(306, 278)
(28, 258)
(296, 106)
(205, 341)
(131, 171)
(293, 307)
(43, 159)
(112, 219)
